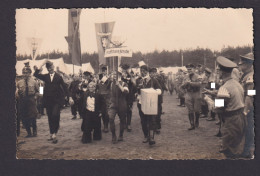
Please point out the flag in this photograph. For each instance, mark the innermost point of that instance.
(103, 34)
(73, 37)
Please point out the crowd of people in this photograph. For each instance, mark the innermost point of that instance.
(98, 98)
(198, 89)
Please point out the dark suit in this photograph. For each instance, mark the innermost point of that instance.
(91, 119)
(53, 97)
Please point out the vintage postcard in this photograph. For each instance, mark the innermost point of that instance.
(162, 84)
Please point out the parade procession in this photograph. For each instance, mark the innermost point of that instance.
(120, 104)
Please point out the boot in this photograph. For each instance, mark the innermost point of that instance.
(105, 128)
(197, 116)
(29, 133)
(34, 133)
(212, 118)
(151, 138)
(191, 118)
(114, 139)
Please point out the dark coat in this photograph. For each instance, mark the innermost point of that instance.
(55, 91)
(83, 100)
(152, 83)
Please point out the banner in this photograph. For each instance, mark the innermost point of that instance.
(103, 34)
(120, 52)
(73, 37)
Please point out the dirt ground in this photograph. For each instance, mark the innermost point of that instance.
(174, 141)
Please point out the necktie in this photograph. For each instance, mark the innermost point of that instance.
(26, 87)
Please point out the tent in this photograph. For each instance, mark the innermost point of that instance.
(58, 63)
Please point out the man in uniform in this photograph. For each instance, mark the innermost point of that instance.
(103, 88)
(192, 97)
(27, 89)
(247, 81)
(233, 129)
(148, 122)
(53, 96)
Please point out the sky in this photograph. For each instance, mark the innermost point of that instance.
(144, 30)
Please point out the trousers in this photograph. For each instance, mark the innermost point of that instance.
(148, 122)
(53, 112)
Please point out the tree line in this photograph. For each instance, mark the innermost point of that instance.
(158, 59)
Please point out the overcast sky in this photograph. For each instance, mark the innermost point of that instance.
(144, 29)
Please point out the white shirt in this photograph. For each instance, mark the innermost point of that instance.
(91, 104)
(51, 76)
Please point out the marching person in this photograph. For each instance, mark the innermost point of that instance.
(247, 81)
(27, 90)
(91, 103)
(153, 74)
(75, 92)
(148, 122)
(103, 88)
(192, 97)
(117, 105)
(129, 79)
(234, 122)
(53, 96)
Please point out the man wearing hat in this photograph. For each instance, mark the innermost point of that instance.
(53, 96)
(148, 122)
(27, 89)
(117, 105)
(103, 89)
(233, 129)
(192, 86)
(129, 79)
(247, 81)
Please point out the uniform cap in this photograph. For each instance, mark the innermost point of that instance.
(26, 69)
(26, 64)
(226, 64)
(249, 58)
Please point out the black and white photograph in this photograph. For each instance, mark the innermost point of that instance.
(148, 84)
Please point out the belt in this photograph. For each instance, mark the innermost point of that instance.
(232, 113)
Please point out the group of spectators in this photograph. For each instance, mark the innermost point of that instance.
(199, 89)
